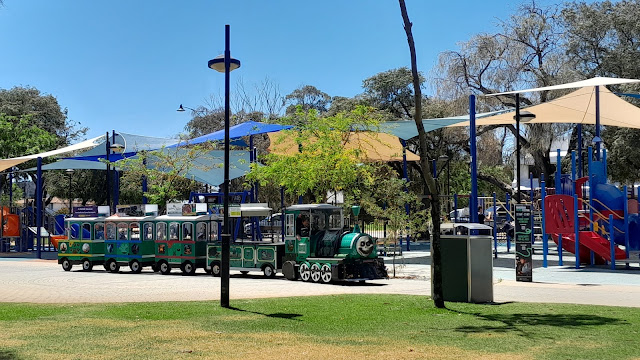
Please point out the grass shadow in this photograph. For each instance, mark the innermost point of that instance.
(287, 316)
(518, 322)
(8, 355)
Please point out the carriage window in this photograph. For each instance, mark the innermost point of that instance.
(213, 234)
(318, 221)
(290, 225)
(99, 231)
(122, 231)
(73, 231)
(134, 231)
(86, 231)
(161, 231)
(335, 221)
(111, 231)
(147, 231)
(174, 231)
(187, 231)
(201, 231)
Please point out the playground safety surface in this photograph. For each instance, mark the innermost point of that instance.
(44, 281)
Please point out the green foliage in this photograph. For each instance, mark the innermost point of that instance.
(82, 185)
(307, 98)
(19, 136)
(323, 163)
(623, 160)
(392, 91)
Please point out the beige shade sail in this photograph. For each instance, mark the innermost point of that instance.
(376, 146)
(8, 163)
(578, 107)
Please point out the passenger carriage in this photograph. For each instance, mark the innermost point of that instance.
(84, 243)
(129, 240)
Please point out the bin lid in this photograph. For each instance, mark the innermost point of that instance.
(472, 229)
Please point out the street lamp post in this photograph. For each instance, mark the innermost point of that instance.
(225, 63)
(521, 116)
(70, 173)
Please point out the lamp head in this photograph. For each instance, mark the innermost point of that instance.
(443, 157)
(181, 109)
(525, 116)
(116, 148)
(217, 64)
(69, 171)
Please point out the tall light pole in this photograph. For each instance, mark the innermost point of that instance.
(225, 63)
(521, 116)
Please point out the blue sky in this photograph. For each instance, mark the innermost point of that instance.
(127, 65)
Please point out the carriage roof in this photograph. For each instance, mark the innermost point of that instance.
(302, 207)
(185, 218)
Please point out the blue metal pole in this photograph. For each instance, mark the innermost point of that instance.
(473, 202)
(251, 160)
(626, 223)
(576, 228)
(591, 186)
(580, 150)
(495, 227)
(39, 208)
(545, 239)
(597, 89)
(612, 243)
(558, 173)
(604, 162)
(256, 185)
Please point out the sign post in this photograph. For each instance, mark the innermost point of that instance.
(524, 250)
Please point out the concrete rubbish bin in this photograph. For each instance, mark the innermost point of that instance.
(467, 263)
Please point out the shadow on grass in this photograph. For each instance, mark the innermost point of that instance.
(274, 315)
(8, 355)
(521, 323)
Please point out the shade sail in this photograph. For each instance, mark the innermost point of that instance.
(132, 144)
(596, 81)
(376, 146)
(578, 107)
(8, 163)
(406, 129)
(237, 131)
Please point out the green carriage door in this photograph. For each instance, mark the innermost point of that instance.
(147, 246)
(122, 247)
(162, 248)
(174, 247)
(248, 255)
(235, 256)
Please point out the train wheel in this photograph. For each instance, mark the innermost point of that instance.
(315, 272)
(188, 268)
(135, 266)
(164, 268)
(66, 264)
(244, 272)
(86, 265)
(215, 268)
(268, 271)
(325, 273)
(113, 266)
(305, 272)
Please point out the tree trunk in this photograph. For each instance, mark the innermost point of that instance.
(429, 182)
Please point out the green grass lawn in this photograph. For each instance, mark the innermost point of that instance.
(327, 327)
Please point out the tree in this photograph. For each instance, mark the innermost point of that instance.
(322, 163)
(526, 53)
(45, 113)
(429, 182)
(308, 97)
(393, 91)
(19, 136)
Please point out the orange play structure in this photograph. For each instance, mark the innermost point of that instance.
(10, 223)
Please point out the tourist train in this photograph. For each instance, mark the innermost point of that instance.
(315, 247)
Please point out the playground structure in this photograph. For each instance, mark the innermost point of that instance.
(591, 218)
(19, 231)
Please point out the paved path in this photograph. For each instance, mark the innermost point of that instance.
(44, 281)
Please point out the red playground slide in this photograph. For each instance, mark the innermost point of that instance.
(590, 241)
